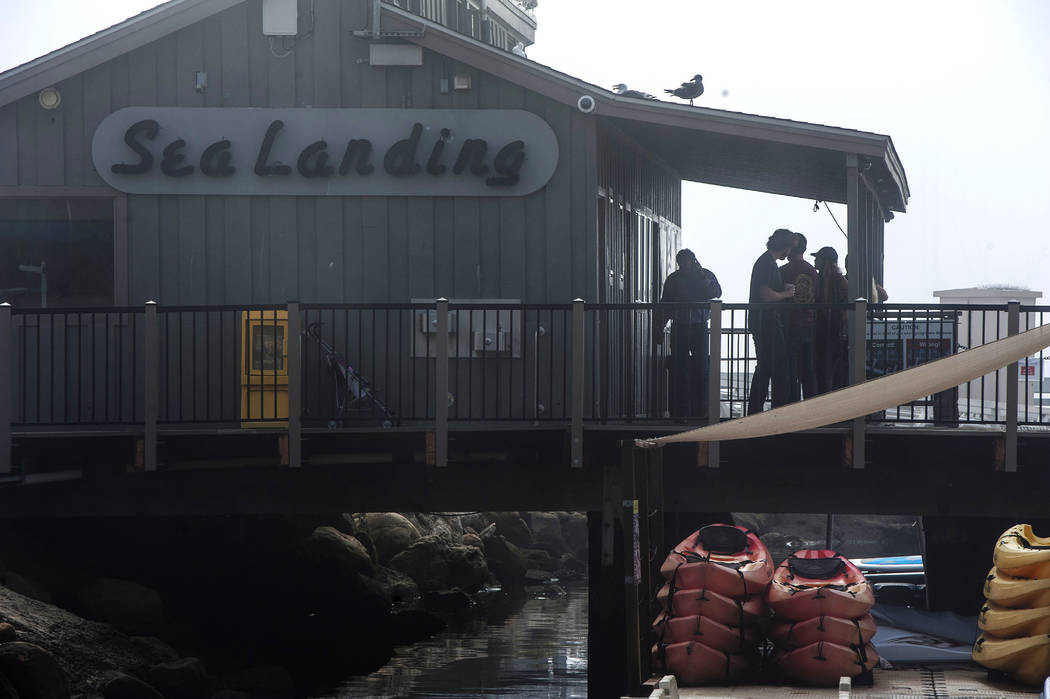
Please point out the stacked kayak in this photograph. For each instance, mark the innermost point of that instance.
(713, 605)
(1015, 620)
(822, 628)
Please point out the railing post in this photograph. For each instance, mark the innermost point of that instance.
(578, 373)
(150, 387)
(295, 387)
(858, 373)
(714, 379)
(6, 383)
(441, 389)
(1013, 326)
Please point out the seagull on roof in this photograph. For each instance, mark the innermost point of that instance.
(519, 49)
(689, 90)
(621, 90)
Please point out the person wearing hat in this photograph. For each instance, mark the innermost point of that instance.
(800, 322)
(830, 341)
(690, 283)
(766, 325)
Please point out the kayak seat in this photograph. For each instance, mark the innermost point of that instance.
(816, 568)
(720, 538)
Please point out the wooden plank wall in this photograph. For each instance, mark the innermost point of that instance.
(210, 250)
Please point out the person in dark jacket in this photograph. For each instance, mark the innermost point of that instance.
(690, 283)
(766, 325)
(830, 340)
(800, 322)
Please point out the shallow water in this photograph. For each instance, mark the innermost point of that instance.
(536, 651)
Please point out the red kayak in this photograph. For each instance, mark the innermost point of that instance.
(819, 582)
(701, 629)
(723, 558)
(695, 663)
(847, 632)
(724, 610)
(822, 663)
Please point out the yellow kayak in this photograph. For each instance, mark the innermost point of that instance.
(1016, 593)
(1019, 552)
(1004, 622)
(1026, 659)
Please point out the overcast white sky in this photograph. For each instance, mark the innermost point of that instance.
(963, 88)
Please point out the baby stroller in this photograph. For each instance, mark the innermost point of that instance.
(353, 395)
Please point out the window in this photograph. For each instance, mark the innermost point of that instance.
(56, 252)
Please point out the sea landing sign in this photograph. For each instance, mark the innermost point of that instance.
(318, 152)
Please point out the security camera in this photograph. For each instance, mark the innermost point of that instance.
(585, 104)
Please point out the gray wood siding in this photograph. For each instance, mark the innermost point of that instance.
(193, 249)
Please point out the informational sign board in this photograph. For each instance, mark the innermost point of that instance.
(898, 344)
(319, 152)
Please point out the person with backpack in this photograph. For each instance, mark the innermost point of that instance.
(690, 283)
(799, 331)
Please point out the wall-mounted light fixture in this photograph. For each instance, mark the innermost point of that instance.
(461, 82)
(50, 98)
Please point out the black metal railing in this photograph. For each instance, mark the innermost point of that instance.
(378, 364)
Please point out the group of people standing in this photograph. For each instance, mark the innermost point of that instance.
(800, 351)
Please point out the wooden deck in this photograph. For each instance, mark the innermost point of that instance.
(956, 682)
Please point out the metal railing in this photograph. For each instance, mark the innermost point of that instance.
(381, 364)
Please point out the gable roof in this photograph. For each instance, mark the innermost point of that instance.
(102, 46)
(707, 145)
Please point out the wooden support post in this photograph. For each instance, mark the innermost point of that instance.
(295, 386)
(150, 387)
(714, 379)
(606, 660)
(1013, 323)
(6, 384)
(441, 391)
(632, 468)
(854, 236)
(579, 372)
(858, 373)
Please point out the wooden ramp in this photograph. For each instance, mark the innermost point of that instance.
(921, 683)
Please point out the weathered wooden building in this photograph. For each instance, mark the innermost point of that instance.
(595, 215)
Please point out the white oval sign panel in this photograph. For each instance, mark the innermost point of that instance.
(317, 152)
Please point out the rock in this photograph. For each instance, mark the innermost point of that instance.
(7, 690)
(414, 625)
(538, 558)
(339, 551)
(569, 567)
(123, 686)
(546, 529)
(391, 533)
(131, 607)
(346, 524)
(436, 565)
(488, 532)
(7, 632)
(230, 694)
(448, 601)
(87, 651)
(264, 682)
(513, 528)
(470, 539)
(505, 560)
(180, 679)
(475, 520)
(574, 533)
(402, 590)
(32, 671)
(534, 576)
(26, 586)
